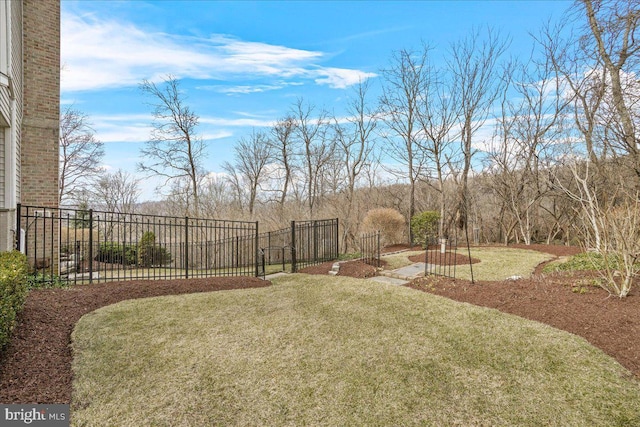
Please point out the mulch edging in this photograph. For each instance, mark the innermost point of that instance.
(36, 365)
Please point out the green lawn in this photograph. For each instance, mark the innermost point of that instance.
(320, 350)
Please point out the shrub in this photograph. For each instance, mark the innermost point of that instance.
(45, 281)
(579, 262)
(150, 254)
(389, 222)
(13, 291)
(115, 253)
(423, 224)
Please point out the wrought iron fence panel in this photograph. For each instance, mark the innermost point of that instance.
(314, 242)
(370, 248)
(86, 246)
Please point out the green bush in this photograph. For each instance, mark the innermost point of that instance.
(45, 281)
(422, 224)
(13, 291)
(581, 261)
(150, 254)
(115, 253)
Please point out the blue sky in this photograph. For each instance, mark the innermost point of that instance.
(243, 64)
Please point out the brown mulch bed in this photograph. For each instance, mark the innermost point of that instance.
(36, 366)
(357, 269)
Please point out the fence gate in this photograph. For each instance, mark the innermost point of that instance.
(303, 244)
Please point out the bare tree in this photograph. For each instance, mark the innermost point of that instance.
(317, 149)
(80, 153)
(215, 197)
(438, 115)
(599, 64)
(355, 145)
(474, 62)
(283, 146)
(252, 157)
(527, 132)
(117, 191)
(613, 27)
(581, 77)
(175, 151)
(399, 105)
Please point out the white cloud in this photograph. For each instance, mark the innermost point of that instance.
(100, 53)
(121, 127)
(244, 89)
(137, 127)
(208, 136)
(248, 122)
(340, 78)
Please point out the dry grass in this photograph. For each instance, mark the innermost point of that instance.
(320, 350)
(495, 263)
(501, 263)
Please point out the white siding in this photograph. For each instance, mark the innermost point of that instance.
(10, 116)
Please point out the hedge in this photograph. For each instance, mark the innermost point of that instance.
(115, 253)
(13, 291)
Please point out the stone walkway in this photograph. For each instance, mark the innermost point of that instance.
(401, 276)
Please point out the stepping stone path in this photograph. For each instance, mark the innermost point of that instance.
(400, 276)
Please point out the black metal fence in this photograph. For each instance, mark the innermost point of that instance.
(370, 248)
(303, 244)
(441, 255)
(86, 246)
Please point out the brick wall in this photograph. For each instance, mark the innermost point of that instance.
(40, 123)
(41, 108)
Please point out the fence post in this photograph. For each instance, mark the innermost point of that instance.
(18, 226)
(378, 243)
(336, 246)
(293, 247)
(257, 251)
(90, 246)
(186, 247)
(315, 241)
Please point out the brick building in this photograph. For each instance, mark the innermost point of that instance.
(29, 108)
